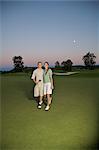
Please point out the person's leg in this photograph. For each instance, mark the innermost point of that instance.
(48, 102)
(41, 96)
(49, 92)
(49, 98)
(41, 100)
(36, 91)
(45, 94)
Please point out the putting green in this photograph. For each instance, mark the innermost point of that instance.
(71, 123)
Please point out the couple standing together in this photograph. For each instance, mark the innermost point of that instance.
(43, 84)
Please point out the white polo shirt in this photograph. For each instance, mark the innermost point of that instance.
(38, 75)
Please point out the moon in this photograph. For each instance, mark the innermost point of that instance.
(74, 41)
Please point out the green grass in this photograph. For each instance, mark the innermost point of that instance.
(71, 123)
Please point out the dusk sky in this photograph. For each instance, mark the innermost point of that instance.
(48, 31)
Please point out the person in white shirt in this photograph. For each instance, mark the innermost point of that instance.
(37, 77)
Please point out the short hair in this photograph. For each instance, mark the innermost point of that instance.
(39, 62)
(46, 62)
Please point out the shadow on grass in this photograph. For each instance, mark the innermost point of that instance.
(93, 146)
(27, 89)
(29, 93)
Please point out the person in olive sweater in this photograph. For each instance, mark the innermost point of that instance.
(48, 84)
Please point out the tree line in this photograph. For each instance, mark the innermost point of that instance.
(89, 61)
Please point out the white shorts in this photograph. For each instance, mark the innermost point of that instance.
(47, 88)
(38, 90)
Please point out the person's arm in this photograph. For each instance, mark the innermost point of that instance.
(34, 77)
(52, 85)
(51, 79)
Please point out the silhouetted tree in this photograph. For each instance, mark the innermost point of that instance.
(18, 63)
(57, 64)
(63, 64)
(89, 60)
(67, 65)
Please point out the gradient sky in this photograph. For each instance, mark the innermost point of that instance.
(45, 31)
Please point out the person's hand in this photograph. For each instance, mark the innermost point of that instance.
(52, 87)
(36, 82)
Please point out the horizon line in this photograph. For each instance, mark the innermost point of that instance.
(10, 68)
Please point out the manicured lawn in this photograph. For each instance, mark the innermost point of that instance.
(71, 123)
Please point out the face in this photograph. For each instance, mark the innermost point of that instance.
(46, 66)
(39, 65)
